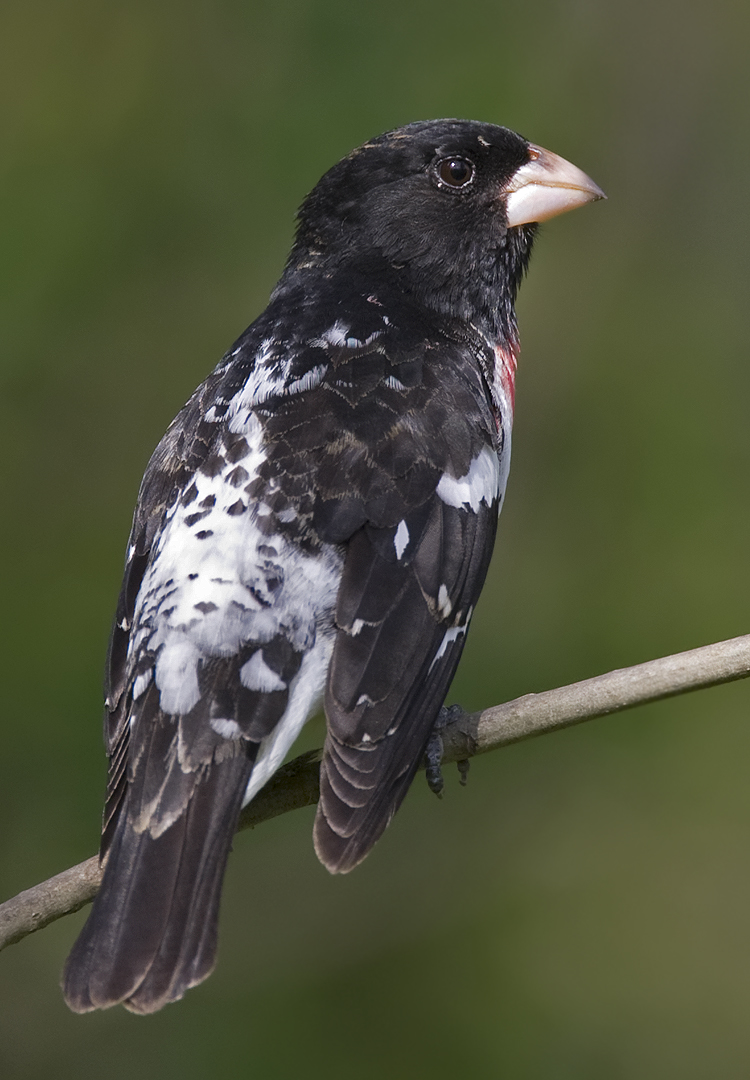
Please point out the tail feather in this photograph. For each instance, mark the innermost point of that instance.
(152, 933)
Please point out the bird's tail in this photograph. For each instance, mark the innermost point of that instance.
(152, 933)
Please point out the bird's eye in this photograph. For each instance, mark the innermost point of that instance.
(456, 172)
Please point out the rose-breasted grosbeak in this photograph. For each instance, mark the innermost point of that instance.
(318, 520)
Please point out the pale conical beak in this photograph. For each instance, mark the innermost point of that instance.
(546, 186)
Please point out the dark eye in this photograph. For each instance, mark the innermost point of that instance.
(456, 172)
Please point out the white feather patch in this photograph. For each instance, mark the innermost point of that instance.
(177, 676)
(257, 675)
(480, 484)
(450, 636)
(308, 381)
(211, 589)
(228, 729)
(334, 335)
(444, 602)
(401, 539)
(305, 691)
(141, 684)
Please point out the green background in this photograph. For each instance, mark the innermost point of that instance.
(581, 910)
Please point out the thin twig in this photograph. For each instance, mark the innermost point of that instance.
(296, 784)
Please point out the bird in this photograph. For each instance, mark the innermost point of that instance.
(315, 525)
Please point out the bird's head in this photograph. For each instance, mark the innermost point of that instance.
(446, 208)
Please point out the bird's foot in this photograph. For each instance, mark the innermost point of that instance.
(433, 756)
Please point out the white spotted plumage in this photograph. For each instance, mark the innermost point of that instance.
(320, 514)
(216, 581)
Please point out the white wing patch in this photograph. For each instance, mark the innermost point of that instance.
(480, 484)
(448, 639)
(444, 602)
(401, 539)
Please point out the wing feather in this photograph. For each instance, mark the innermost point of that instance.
(402, 626)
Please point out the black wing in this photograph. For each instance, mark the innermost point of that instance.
(400, 428)
(174, 461)
(402, 626)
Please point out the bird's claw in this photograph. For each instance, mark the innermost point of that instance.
(433, 756)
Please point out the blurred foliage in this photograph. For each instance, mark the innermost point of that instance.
(581, 910)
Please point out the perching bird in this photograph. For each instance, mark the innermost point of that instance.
(317, 520)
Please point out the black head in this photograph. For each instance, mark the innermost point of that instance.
(427, 205)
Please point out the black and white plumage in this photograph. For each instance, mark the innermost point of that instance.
(317, 521)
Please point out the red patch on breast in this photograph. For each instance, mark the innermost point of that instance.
(506, 362)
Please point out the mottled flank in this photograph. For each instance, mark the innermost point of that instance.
(317, 522)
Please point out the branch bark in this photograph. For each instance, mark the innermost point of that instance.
(296, 784)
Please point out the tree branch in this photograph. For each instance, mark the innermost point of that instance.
(296, 784)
